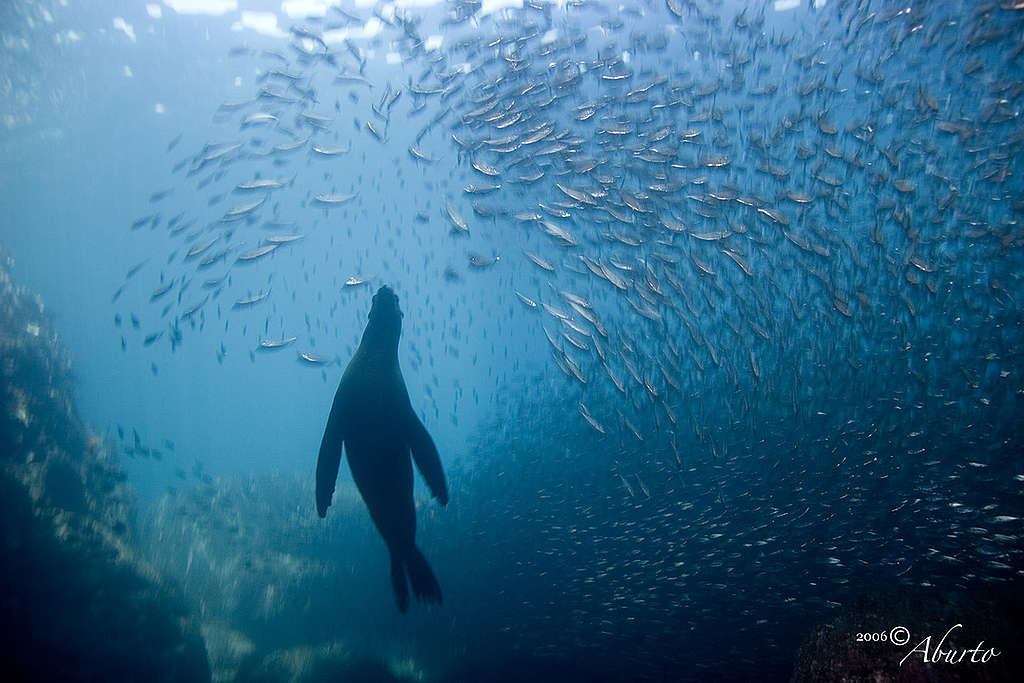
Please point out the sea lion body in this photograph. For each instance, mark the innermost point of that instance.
(374, 419)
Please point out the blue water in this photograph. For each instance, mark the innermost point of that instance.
(836, 421)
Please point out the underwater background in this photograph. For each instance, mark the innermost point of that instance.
(713, 310)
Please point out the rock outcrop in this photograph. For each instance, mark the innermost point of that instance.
(932, 648)
(78, 603)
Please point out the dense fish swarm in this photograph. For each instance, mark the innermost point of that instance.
(781, 207)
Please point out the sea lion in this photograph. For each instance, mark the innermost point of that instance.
(374, 418)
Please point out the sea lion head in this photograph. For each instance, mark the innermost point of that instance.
(385, 315)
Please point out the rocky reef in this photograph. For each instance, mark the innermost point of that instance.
(78, 603)
(283, 595)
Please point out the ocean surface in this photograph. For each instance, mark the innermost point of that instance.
(713, 310)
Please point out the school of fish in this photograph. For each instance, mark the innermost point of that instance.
(764, 255)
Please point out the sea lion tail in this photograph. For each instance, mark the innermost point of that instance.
(398, 580)
(424, 584)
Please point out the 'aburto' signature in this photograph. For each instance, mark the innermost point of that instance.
(977, 653)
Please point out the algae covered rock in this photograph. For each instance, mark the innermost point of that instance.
(78, 603)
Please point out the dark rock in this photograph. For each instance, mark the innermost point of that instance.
(264, 570)
(835, 652)
(77, 602)
(331, 662)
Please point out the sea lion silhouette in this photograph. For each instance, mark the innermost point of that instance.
(374, 418)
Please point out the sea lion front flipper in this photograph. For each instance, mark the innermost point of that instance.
(424, 453)
(330, 457)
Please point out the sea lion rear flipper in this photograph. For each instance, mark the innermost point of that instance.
(330, 457)
(424, 453)
(398, 580)
(424, 584)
